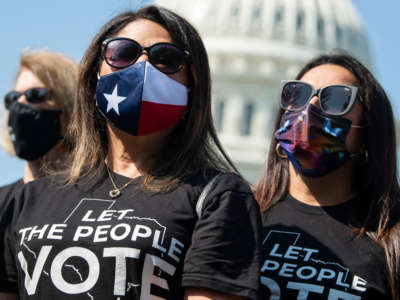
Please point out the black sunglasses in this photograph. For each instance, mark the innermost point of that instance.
(335, 99)
(120, 53)
(33, 95)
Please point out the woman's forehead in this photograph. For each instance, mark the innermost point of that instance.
(27, 79)
(145, 32)
(329, 74)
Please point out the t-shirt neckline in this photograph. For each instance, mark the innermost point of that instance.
(120, 178)
(319, 210)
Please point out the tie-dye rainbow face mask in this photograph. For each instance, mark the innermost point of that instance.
(313, 141)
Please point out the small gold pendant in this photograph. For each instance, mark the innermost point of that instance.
(114, 193)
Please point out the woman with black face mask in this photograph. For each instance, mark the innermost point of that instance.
(330, 193)
(150, 206)
(38, 110)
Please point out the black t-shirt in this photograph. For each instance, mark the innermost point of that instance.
(312, 252)
(6, 196)
(78, 243)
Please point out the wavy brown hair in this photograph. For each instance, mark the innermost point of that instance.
(376, 173)
(192, 146)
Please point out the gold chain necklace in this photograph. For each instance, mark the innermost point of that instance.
(116, 192)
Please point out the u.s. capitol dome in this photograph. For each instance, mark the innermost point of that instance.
(252, 46)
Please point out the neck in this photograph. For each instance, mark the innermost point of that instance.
(332, 189)
(33, 170)
(133, 156)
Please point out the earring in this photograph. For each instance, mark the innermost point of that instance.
(278, 152)
(361, 154)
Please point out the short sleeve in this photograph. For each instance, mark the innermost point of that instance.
(225, 252)
(8, 270)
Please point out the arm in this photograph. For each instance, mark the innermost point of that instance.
(223, 260)
(8, 282)
(8, 296)
(205, 294)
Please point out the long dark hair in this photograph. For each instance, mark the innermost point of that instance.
(192, 146)
(376, 172)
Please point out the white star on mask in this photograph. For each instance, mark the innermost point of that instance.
(113, 100)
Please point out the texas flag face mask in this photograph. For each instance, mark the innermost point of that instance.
(140, 99)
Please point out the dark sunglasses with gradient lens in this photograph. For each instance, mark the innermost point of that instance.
(120, 53)
(33, 95)
(334, 99)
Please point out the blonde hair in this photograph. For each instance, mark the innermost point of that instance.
(58, 73)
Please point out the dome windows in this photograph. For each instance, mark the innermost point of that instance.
(300, 27)
(321, 32)
(257, 11)
(248, 113)
(219, 114)
(279, 23)
(256, 18)
(234, 17)
(300, 21)
(235, 10)
(338, 34)
(211, 26)
(279, 15)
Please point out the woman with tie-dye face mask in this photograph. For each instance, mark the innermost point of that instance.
(330, 193)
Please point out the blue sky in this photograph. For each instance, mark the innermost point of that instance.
(69, 26)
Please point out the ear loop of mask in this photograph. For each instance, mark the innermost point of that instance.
(189, 88)
(361, 152)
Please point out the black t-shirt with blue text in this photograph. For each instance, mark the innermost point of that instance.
(76, 242)
(312, 252)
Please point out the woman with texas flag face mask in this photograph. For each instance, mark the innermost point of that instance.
(330, 193)
(149, 207)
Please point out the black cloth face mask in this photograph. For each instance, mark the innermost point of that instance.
(33, 131)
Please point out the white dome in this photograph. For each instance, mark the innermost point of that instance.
(276, 27)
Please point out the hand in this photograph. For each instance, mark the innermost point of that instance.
(8, 296)
(207, 294)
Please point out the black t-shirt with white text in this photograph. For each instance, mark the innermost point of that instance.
(312, 252)
(76, 242)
